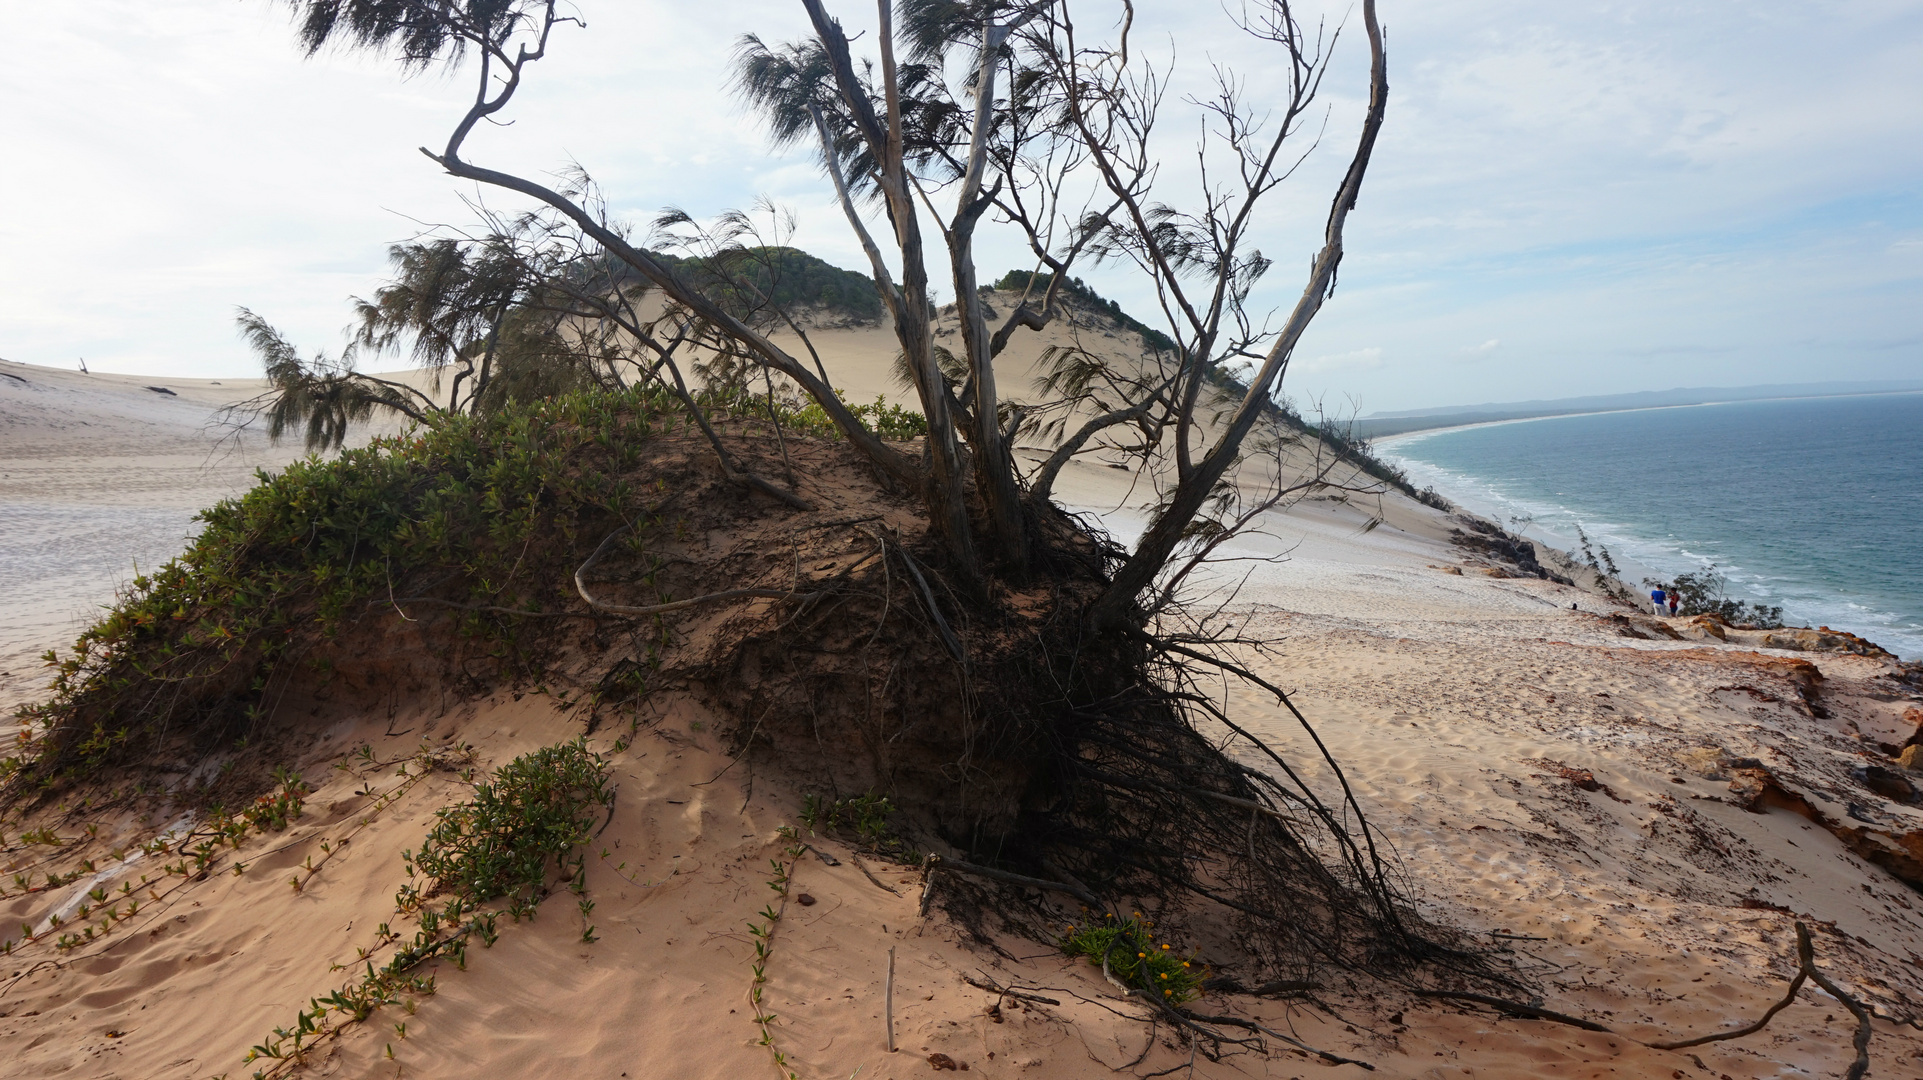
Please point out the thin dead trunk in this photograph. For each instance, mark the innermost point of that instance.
(1114, 608)
(994, 469)
(944, 489)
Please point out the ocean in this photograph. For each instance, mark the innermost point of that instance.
(1814, 504)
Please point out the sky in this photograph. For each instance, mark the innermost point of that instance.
(1569, 198)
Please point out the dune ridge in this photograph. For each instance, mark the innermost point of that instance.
(1596, 802)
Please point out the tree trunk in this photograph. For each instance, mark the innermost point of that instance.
(994, 471)
(1117, 604)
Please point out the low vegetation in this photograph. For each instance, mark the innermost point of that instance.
(1036, 284)
(522, 828)
(518, 838)
(783, 277)
(1706, 592)
(442, 516)
(1128, 953)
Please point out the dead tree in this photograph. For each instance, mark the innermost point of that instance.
(969, 113)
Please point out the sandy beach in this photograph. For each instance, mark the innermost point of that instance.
(1636, 810)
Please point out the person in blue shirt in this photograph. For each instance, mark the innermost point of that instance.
(1656, 599)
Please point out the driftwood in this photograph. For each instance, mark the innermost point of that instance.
(1805, 969)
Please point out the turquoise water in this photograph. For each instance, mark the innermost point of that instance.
(1815, 504)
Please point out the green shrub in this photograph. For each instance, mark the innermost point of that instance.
(809, 418)
(1703, 592)
(887, 421)
(1135, 958)
(867, 815)
(450, 508)
(450, 505)
(521, 827)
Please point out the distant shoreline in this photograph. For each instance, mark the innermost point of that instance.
(1392, 438)
(1813, 585)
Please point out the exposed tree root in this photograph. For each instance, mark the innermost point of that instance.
(581, 586)
(1517, 1008)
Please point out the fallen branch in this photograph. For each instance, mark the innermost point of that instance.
(1805, 969)
(581, 586)
(1516, 1007)
(889, 993)
(960, 867)
(1236, 1021)
(870, 875)
(989, 985)
(1806, 959)
(1794, 985)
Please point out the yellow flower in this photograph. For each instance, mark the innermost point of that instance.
(1168, 993)
(1164, 975)
(1165, 948)
(1141, 955)
(1185, 963)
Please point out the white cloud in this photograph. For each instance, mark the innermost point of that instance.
(1722, 183)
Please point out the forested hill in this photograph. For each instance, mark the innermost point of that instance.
(1077, 289)
(791, 278)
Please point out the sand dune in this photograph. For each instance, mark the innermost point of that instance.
(1580, 797)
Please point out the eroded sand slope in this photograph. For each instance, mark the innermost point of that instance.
(1593, 801)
